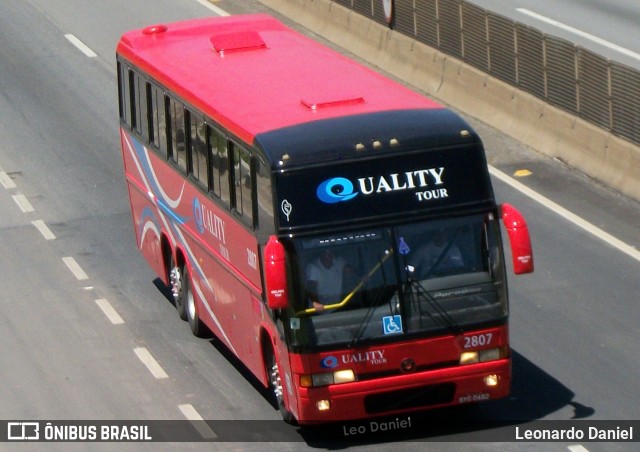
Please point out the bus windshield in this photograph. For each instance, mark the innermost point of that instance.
(420, 279)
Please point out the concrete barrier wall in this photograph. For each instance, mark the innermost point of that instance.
(550, 130)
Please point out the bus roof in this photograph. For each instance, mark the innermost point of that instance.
(254, 75)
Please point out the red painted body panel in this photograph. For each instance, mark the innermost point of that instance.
(377, 371)
(215, 246)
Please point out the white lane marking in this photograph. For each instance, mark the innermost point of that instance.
(148, 360)
(215, 9)
(6, 181)
(573, 218)
(580, 33)
(191, 414)
(77, 271)
(44, 229)
(109, 311)
(80, 45)
(22, 202)
(578, 448)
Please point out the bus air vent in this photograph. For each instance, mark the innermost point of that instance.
(154, 29)
(317, 104)
(237, 42)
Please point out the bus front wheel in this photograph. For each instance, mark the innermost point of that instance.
(275, 386)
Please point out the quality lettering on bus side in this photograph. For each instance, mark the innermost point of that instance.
(206, 220)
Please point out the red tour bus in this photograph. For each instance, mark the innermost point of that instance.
(335, 230)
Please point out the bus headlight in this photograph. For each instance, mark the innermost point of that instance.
(343, 376)
(322, 379)
(483, 356)
(327, 378)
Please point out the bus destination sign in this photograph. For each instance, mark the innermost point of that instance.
(382, 187)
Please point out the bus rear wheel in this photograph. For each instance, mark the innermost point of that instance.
(176, 279)
(191, 310)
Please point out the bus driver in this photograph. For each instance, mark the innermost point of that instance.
(324, 279)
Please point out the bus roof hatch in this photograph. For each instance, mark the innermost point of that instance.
(241, 41)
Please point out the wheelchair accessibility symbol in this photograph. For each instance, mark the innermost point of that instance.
(392, 324)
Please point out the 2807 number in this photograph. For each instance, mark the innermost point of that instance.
(478, 340)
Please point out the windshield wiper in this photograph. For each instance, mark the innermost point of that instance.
(441, 315)
(376, 299)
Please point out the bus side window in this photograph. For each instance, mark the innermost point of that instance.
(157, 124)
(198, 150)
(178, 146)
(243, 183)
(264, 198)
(219, 166)
(124, 92)
(139, 106)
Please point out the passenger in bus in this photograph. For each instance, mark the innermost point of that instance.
(324, 279)
(438, 256)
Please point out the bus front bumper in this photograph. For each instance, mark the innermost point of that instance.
(405, 393)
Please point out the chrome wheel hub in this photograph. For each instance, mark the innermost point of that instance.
(176, 282)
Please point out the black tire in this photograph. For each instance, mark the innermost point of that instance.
(275, 385)
(191, 310)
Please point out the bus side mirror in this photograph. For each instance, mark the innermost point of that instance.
(275, 270)
(521, 251)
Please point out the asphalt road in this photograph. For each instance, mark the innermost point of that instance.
(88, 335)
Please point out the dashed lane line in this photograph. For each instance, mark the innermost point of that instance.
(43, 229)
(80, 45)
(578, 448)
(6, 181)
(109, 311)
(22, 202)
(75, 268)
(196, 420)
(150, 362)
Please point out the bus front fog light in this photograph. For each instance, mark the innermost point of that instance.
(491, 380)
(323, 405)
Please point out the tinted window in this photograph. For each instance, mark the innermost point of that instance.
(198, 150)
(243, 183)
(178, 136)
(219, 166)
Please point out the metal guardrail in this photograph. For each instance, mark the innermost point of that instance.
(596, 89)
